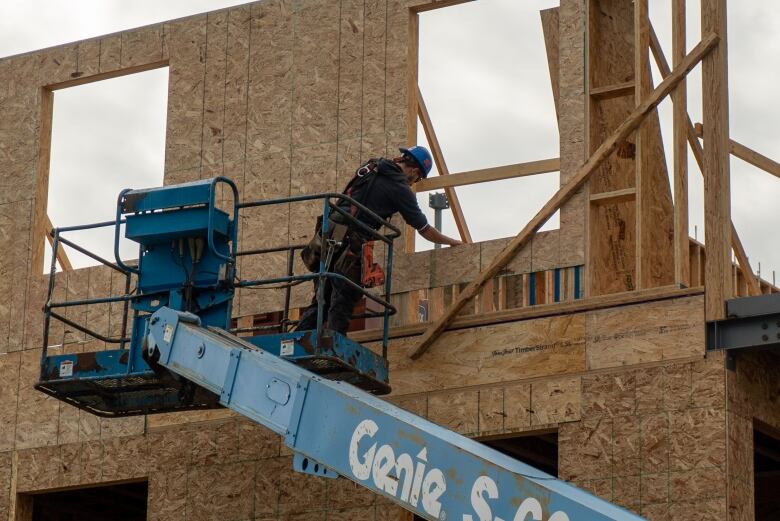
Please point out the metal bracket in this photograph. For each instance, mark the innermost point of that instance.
(230, 376)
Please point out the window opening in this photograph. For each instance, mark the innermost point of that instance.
(484, 77)
(106, 136)
(125, 502)
(766, 462)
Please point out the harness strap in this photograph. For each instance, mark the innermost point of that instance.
(369, 171)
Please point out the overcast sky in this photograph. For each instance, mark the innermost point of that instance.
(483, 73)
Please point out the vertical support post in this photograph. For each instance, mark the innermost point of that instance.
(643, 178)
(682, 270)
(717, 191)
(40, 216)
(125, 308)
(411, 105)
(324, 267)
(288, 290)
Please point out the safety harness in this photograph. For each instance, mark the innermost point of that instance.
(343, 241)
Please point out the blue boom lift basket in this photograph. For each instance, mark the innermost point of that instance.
(187, 261)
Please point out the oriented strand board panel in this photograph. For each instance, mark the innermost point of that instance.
(650, 332)
(572, 23)
(288, 97)
(492, 354)
(612, 234)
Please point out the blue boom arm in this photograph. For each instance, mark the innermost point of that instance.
(336, 429)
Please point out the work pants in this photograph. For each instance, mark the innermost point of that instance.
(340, 300)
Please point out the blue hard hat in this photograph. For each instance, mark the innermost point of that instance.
(421, 156)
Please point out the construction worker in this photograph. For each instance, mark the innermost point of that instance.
(382, 186)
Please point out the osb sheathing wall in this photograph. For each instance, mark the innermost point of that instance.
(286, 97)
(753, 391)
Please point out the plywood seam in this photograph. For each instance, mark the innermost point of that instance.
(224, 96)
(205, 90)
(339, 141)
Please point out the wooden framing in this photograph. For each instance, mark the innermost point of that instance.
(616, 196)
(644, 182)
(413, 108)
(490, 174)
(682, 273)
(747, 155)
(438, 157)
(698, 154)
(568, 190)
(717, 192)
(41, 223)
(540, 310)
(412, 60)
(62, 256)
(754, 158)
(613, 91)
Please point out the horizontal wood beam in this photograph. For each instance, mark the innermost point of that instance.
(539, 311)
(616, 196)
(489, 174)
(82, 80)
(613, 91)
(62, 256)
(430, 6)
(567, 191)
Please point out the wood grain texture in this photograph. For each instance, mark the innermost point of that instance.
(717, 191)
(698, 154)
(489, 174)
(682, 274)
(505, 352)
(665, 331)
(572, 21)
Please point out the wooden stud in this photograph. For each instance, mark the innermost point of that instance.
(616, 196)
(438, 156)
(486, 304)
(613, 91)
(717, 192)
(644, 186)
(40, 216)
(567, 190)
(682, 274)
(62, 255)
(411, 106)
(489, 174)
(698, 154)
(501, 293)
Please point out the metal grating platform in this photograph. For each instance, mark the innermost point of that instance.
(128, 394)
